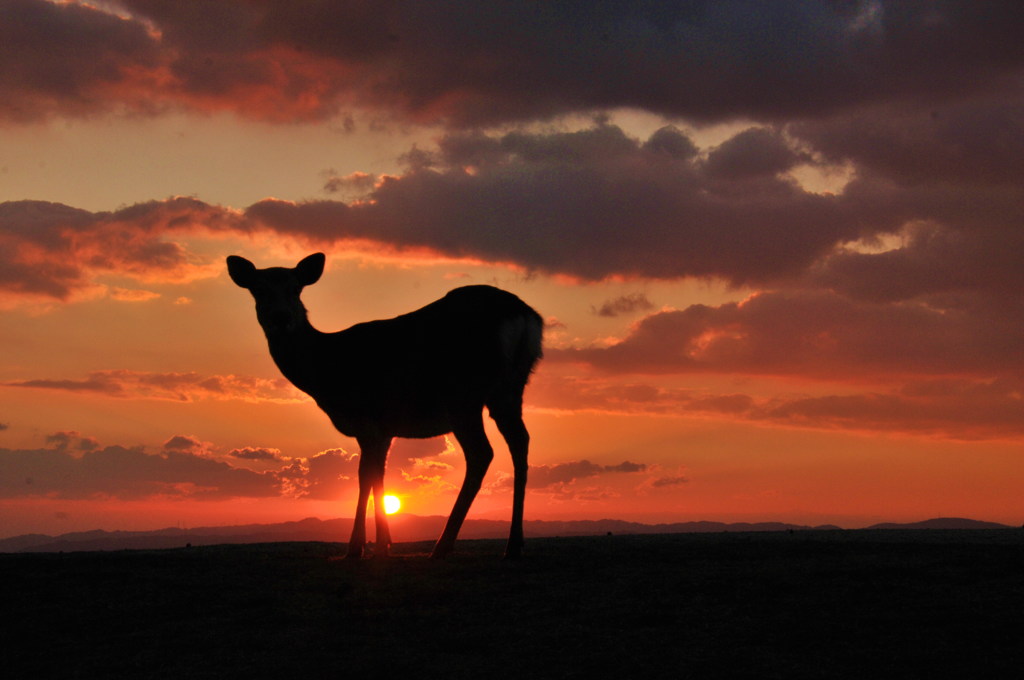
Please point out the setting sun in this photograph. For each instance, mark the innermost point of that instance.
(392, 505)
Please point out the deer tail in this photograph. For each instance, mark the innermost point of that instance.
(522, 344)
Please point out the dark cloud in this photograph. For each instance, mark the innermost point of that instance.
(186, 444)
(816, 334)
(953, 408)
(636, 208)
(675, 480)
(185, 468)
(357, 182)
(469, 63)
(64, 440)
(560, 474)
(752, 153)
(541, 199)
(626, 304)
(966, 142)
(672, 142)
(60, 440)
(54, 251)
(126, 473)
(68, 58)
(325, 476)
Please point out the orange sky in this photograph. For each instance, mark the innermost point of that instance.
(781, 273)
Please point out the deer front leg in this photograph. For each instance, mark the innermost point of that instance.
(358, 540)
(373, 452)
(380, 518)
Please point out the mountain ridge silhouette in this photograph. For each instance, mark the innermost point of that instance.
(414, 528)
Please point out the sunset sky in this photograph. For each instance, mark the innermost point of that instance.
(778, 247)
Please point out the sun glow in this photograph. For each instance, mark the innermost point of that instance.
(392, 505)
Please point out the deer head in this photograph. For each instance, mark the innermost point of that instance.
(276, 290)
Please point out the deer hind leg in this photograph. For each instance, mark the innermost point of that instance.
(383, 545)
(513, 429)
(478, 452)
(372, 456)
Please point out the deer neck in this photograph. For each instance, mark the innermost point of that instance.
(295, 353)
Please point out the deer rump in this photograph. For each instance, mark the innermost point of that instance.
(414, 375)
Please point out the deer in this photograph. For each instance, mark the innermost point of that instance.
(426, 373)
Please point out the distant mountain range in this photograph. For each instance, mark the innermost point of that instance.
(410, 528)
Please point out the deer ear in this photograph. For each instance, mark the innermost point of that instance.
(241, 270)
(310, 268)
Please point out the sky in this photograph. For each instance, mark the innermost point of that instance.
(777, 247)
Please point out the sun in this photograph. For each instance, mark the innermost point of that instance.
(392, 505)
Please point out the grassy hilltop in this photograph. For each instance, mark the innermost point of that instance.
(804, 605)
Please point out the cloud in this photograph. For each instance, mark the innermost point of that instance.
(956, 408)
(68, 57)
(537, 200)
(755, 152)
(469, 64)
(358, 183)
(126, 473)
(979, 140)
(181, 443)
(952, 408)
(130, 295)
(561, 474)
(256, 453)
(73, 466)
(910, 272)
(325, 476)
(186, 387)
(540, 199)
(673, 480)
(626, 304)
(70, 439)
(53, 251)
(653, 209)
(815, 334)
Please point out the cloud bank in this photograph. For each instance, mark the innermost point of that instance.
(184, 387)
(186, 468)
(468, 64)
(904, 278)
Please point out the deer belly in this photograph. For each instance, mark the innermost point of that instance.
(416, 419)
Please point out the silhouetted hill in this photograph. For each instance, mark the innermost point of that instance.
(843, 605)
(942, 523)
(408, 528)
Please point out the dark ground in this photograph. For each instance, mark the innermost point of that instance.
(844, 604)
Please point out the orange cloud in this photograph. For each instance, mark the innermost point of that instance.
(126, 473)
(130, 295)
(953, 408)
(52, 251)
(185, 387)
(817, 334)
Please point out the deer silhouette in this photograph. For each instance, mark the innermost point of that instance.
(418, 375)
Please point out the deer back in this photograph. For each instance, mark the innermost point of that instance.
(408, 375)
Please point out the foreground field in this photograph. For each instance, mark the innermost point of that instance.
(804, 605)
